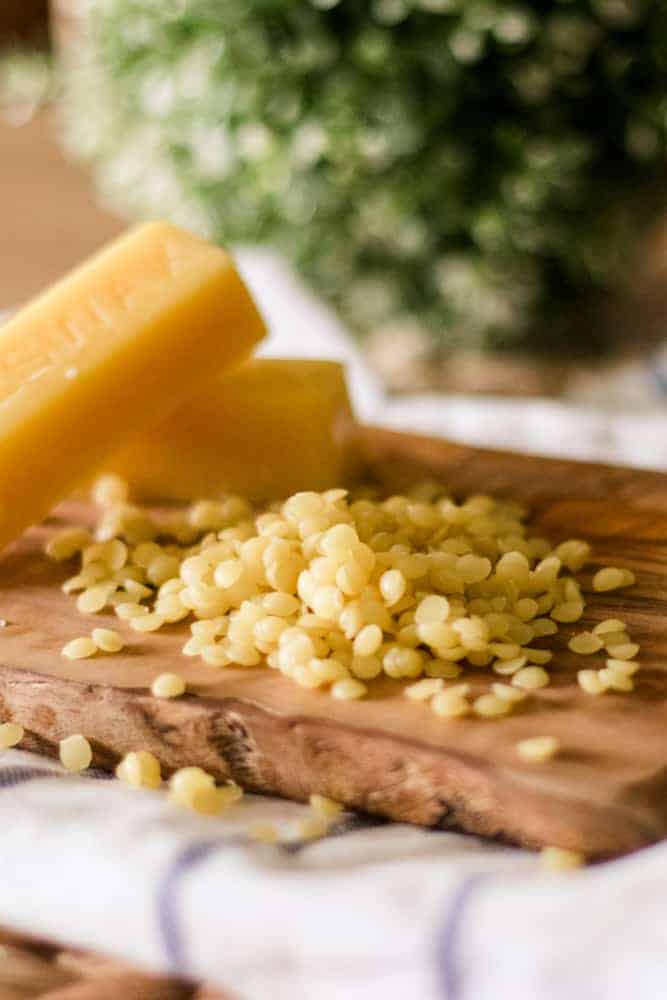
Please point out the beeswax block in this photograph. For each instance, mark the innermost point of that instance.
(109, 350)
(265, 430)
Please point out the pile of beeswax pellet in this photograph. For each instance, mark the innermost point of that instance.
(335, 589)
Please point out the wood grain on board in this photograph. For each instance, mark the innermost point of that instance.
(606, 791)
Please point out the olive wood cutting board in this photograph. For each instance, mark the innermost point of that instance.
(605, 793)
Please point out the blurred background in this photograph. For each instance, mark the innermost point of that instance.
(478, 188)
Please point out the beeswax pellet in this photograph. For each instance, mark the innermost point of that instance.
(75, 753)
(537, 749)
(79, 649)
(107, 639)
(325, 807)
(591, 682)
(168, 686)
(140, 769)
(558, 859)
(491, 705)
(10, 734)
(530, 678)
(106, 352)
(195, 789)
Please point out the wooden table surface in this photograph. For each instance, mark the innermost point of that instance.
(50, 216)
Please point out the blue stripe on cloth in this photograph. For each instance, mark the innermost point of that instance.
(449, 971)
(18, 775)
(168, 894)
(169, 916)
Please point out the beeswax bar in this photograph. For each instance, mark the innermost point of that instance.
(265, 430)
(108, 351)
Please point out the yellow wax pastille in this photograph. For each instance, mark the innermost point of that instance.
(265, 430)
(109, 351)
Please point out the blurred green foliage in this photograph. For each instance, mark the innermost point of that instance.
(471, 168)
(26, 82)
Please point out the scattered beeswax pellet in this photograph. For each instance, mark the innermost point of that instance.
(567, 611)
(491, 705)
(609, 625)
(625, 651)
(140, 769)
(530, 678)
(168, 686)
(147, 623)
(626, 667)
(325, 807)
(10, 734)
(615, 639)
(507, 667)
(505, 650)
(543, 626)
(75, 753)
(558, 859)
(229, 794)
(585, 643)
(573, 553)
(537, 749)
(267, 429)
(590, 682)
(508, 693)
(611, 578)
(105, 353)
(615, 680)
(107, 640)
(93, 599)
(450, 704)
(195, 789)
(79, 649)
(539, 656)
(215, 655)
(424, 689)
(348, 689)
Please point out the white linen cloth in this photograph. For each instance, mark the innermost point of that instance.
(374, 911)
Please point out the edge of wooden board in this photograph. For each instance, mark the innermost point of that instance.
(295, 756)
(397, 456)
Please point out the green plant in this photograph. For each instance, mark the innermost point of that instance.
(467, 167)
